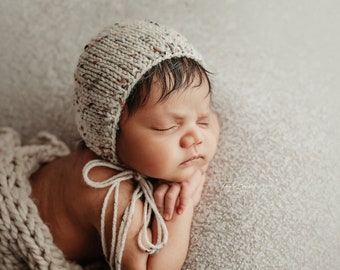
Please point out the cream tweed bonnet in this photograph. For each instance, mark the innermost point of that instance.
(110, 66)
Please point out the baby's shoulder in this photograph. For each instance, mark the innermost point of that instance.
(94, 197)
(109, 205)
(101, 175)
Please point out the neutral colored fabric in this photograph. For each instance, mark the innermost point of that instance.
(272, 200)
(26, 242)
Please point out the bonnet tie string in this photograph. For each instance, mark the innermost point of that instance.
(144, 188)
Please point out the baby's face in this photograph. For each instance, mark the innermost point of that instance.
(172, 139)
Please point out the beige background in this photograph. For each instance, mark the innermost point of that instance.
(273, 196)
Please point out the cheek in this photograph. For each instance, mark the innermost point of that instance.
(144, 154)
(212, 144)
(153, 162)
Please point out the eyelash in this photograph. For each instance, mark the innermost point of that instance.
(204, 124)
(165, 129)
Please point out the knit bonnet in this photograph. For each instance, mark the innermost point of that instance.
(109, 67)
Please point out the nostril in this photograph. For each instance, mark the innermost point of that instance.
(191, 138)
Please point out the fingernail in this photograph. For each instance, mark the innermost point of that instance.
(179, 211)
(166, 216)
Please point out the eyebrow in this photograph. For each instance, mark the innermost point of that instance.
(179, 116)
(160, 117)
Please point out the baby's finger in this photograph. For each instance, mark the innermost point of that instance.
(159, 194)
(170, 200)
(184, 197)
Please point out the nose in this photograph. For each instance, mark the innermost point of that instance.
(191, 137)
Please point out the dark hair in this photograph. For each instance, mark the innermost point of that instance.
(172, 74)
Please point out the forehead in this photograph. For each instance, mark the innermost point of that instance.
(195, 96)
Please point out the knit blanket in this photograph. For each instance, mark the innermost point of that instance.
(26, 242)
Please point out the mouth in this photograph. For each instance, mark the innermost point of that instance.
(192, 160)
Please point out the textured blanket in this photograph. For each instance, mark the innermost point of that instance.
(272, 200)
(26, 242)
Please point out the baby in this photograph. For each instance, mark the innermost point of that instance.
(127, 195)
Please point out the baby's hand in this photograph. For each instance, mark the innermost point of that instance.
(171, 197)
(191, 190)
(166, 198)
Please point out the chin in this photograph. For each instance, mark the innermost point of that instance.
(184, 176)
(180, 175)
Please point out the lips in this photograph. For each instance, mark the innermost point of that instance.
(192, 160)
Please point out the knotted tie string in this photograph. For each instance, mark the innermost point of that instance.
(144, 188)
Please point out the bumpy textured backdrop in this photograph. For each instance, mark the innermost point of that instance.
(272, 200)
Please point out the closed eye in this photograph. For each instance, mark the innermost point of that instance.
(204, 125)
(204, 121)
(165, 129)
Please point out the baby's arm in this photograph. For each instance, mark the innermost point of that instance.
(171, 256)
